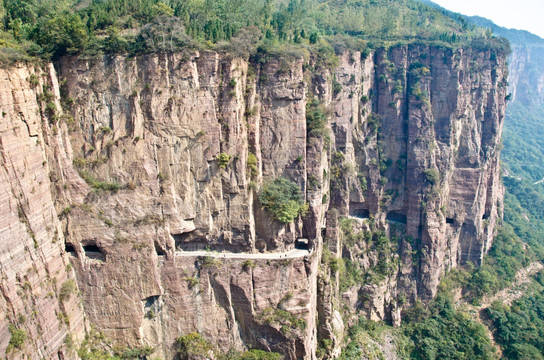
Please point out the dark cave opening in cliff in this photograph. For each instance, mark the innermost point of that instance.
(450, 221)
(181, 239)
(159, 250)
(152, 306)
(188, 242)
(302, 244)
(396, 217)
(151, 301)
(69, 248)
(93, 252)
(359, 213)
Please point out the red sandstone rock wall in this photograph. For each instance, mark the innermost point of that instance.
(133, 175)
(33, 265)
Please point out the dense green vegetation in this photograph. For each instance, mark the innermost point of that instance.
(16, 339)
(363, 338)
(434, 331)
(439, 331)
(96, 346)
(523, 154)
(50, 28)
(522, 160)
(519, 329)
(506, 257)
(258, 355)
(283, 199)
(193, 345)
(316, 118)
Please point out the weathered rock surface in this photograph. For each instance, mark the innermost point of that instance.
(155, 160)
(526, 79)
(39, 293)
(423, 141)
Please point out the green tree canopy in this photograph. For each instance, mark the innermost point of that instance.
(282, 199)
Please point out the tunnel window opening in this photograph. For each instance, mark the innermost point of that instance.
(69, 248)
(396, 217)
(450, 221)
(183, 237)
(152, 306)
(159, 251)
(359, 213)
(93, 252)
(302, 244)
(151, 301)
(189, 242)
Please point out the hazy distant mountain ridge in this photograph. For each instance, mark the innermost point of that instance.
(526, 62)
(515, 36)
(526, 68)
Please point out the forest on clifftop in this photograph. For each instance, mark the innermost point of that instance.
(49, 28)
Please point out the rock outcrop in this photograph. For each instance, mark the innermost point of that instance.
(39, 302)
(423, 141)
(160, 155)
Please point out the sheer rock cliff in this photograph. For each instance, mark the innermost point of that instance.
(38, 288)
(154, 157)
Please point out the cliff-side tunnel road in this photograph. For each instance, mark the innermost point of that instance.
(295, 253)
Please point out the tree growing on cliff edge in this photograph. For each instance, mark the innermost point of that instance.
(282, 198)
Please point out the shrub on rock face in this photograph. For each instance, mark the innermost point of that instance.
(254, 354)
(17, 338)
(223, 160)
(192, 344)
(432, 176)
(316, 118)
(282, 199)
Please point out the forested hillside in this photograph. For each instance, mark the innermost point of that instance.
(51, 28)
(519, 327)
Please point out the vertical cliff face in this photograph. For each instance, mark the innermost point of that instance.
(425, 147)
(158, 167)
(172, 136)
(526, 78)
(39, 302)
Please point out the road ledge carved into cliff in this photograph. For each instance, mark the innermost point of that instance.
(295, 253)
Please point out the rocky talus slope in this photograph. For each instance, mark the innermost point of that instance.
(163, 153)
